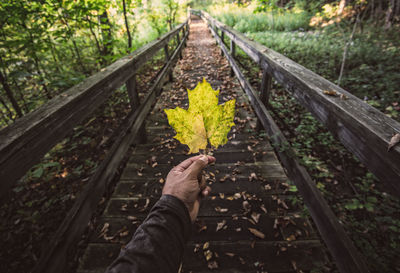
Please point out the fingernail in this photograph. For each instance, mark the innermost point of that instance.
(205, 193)
(204, 158)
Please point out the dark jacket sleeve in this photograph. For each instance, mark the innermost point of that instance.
(158, 243)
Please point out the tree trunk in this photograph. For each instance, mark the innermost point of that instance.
(106, 34)
(342, 5)
(390, 14)
(21, 96)
(10, 115)
(36, 62)
(53, 53)
(127, 26)
(10, 94)
(71, 34)
(94, 35)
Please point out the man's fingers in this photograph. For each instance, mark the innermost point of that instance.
(197, 166)
(202, 182)
(186, 163)
(206, 191)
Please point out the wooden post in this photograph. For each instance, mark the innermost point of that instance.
(132, 92)
(265, 90)
(222, 39)
(135, 103)
(233, 53)
(166, 60)
(178, 40)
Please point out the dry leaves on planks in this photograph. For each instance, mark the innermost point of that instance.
(257, 233)
(394, 141)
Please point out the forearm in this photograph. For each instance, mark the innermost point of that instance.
(158, 243)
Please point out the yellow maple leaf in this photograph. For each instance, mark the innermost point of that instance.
(204, 120)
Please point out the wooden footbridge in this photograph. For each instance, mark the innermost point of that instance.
(249, 223)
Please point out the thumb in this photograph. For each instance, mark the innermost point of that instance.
(197, 166)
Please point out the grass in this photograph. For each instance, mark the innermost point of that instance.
(371, 67)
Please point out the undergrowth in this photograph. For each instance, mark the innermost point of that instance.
(368, 212)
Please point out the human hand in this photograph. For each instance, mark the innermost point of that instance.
(186, 183)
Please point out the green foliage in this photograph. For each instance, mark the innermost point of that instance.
(246, 21)
(371, 66)
(369, 214)
(47, 47)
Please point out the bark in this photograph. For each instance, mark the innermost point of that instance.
(78, 54)
(36, 62)
(390, 14)
(346, 48)
(106, 34)
(94, 34)
(10, 94)
(342, 5)
(10, 115)
(127, 26)
(53, 53)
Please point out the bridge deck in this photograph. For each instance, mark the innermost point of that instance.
(249, 186)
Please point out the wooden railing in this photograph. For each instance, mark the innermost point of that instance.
(24, 143)
(362, 129)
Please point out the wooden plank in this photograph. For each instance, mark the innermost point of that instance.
(70, 231)
(361, 128)
(24, 143)
(268, 254)
(286, 226)
(345, 254)
(266, 170)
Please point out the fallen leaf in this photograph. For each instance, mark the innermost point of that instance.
(255, 216)
(252, 177)
(124, 233)
(283, 203)
(246, 206)
(394, 141)
(219, 209)
(257, 233)
(146, 205)
(331, 93)
(208, 254)
(212, 265)
(291, 238)
(229, 254)
(263, 208)
(104, 230)
(206, 245)
(220, 225)
(124, 207)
